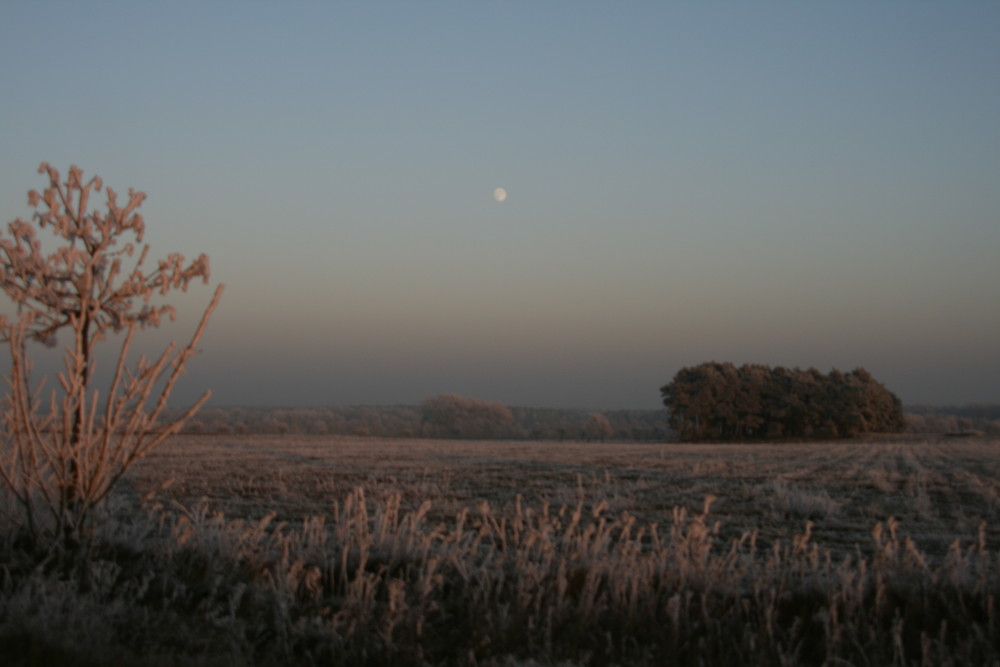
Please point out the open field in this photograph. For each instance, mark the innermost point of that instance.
(323, 550)
(936, 488)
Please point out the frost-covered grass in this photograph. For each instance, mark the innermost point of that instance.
(327, 551)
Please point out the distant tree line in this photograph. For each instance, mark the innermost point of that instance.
(954, 419)
(542, 424)
(718, 401)
(447, 415)
(585, 425)
(454, 416)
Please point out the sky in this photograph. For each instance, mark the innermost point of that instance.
(783, 183)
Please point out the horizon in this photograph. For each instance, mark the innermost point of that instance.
(519, 407)
(555, 205)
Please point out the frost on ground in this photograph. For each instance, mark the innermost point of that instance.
(358, 551)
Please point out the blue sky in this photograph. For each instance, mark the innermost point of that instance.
(803, 184)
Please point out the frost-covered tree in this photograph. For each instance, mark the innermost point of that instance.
(65, 447)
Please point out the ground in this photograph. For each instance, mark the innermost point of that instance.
(938, 489)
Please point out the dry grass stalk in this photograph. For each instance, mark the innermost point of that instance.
(371, 583)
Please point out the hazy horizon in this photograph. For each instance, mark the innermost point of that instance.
(773, 183)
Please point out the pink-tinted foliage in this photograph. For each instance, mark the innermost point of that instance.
(60, 457)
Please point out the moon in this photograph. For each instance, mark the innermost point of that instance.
(499, 194)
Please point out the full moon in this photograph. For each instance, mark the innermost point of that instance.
(499, 194)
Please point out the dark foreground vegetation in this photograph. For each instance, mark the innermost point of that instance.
(370, 585)
(396, 572)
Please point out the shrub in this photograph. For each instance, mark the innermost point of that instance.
(61, 454)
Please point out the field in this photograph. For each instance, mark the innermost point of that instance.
(936, 489)
(337, 550)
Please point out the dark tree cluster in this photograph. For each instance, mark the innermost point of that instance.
(718, 401)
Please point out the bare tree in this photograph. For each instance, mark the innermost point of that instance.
(64, 449)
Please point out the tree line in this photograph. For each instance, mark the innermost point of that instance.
(443, 416)
(982, 418)
(718, 401)
(529, 423)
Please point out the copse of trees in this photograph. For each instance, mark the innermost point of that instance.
(718, 401)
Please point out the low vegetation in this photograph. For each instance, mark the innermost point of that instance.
(319, 550)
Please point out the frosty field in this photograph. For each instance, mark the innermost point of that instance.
(316, 550)
(937, 489)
